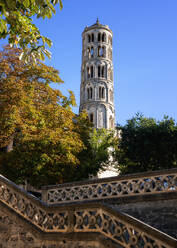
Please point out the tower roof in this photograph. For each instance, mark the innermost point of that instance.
(97, 25)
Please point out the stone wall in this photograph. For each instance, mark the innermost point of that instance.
(17, 233)
(161, 214)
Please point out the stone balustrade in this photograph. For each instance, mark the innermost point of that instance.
(115, 187)
(87, 218)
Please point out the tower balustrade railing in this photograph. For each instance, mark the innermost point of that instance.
(112, 188)
(82, 218)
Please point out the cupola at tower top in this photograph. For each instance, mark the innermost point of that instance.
(97, 25)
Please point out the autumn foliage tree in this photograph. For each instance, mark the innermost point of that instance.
(36, 121)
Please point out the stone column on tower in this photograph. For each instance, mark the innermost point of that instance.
(96, 89)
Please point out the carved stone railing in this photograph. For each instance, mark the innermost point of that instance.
(82, 218)
(115, 187)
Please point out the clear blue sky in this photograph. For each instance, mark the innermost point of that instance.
(144, 51)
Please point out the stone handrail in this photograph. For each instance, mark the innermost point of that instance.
(82, 218)
(114, 187)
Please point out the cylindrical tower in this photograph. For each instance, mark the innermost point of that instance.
(96, 90)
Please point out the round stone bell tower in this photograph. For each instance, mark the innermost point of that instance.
(96, 90)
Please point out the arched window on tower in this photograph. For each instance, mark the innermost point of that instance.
(92, 52)
(92, 35)
(104, 52)
(89, 38)
(103, 37)
(88, 72)
(89, 93)
(101, 51)
(99, 37)
(91, 71)
(103, 71)
(101, 92)
(88, 52)
(99, 71)
(91, 117)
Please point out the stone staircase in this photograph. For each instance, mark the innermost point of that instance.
(112, 212)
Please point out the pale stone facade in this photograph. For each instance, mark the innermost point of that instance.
(96, 90)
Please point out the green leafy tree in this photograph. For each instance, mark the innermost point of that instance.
(16, 23)
(96, 155)
(147, 144)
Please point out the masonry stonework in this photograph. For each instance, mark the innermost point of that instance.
(96, 89)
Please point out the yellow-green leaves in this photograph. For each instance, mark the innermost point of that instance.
(3, 27)
(26, 3)
(16, 24)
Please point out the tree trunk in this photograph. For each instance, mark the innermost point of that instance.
(11, 143)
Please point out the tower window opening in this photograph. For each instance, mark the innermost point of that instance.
(103, 93)
(99, 71)
(99, 37)
(92, 52)
(89, 38)
(100, 92)
(104, 52)
(102, 71)
(92, 37)
(91, 117)
(91, 69)
(89, 93)
(88, 72)
(88, 52)
(101, 51)
(103, 37)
